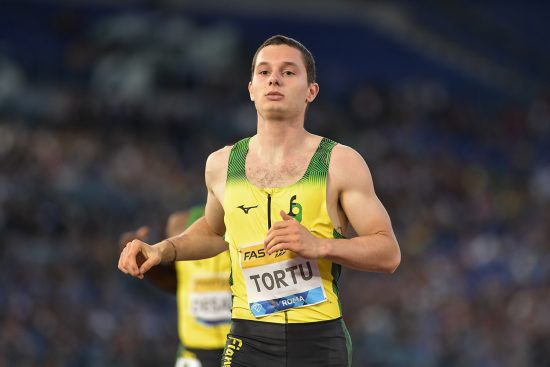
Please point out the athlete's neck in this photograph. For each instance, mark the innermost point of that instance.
(278, 139)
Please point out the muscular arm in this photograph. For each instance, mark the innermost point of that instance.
(374, 249)
(203, 239)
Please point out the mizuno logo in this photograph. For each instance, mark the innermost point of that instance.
(246, 209)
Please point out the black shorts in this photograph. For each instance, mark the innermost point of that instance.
(207, 357)
(265, 344)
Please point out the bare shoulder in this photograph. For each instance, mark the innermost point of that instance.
(216, 163)
(346, 163)
(345, 157)
(216, 166)
(219, 158)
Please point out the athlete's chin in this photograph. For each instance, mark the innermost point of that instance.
(275, 114)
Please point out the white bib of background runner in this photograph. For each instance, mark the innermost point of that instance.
(279, 281)
(210, 299)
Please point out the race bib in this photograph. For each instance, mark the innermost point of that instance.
(279, 281)
(210, 299)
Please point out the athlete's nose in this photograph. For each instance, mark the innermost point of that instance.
(273, 80)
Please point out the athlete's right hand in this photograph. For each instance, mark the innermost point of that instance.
(141, 234)
(128, 262)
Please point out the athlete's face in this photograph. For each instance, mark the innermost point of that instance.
(279, 86)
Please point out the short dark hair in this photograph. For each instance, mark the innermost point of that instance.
(307, 57)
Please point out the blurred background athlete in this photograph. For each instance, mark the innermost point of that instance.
(203, 295)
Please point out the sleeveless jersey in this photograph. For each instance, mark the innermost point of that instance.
(204, 298)
(281, 287)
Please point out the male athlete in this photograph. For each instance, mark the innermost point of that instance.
(203, 296)
(283, 199)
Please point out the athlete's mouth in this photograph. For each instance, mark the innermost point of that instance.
(274, 95)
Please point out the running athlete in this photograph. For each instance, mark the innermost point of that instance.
(203, 296)
(284, 199)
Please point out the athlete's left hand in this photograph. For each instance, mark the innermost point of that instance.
(289, 234)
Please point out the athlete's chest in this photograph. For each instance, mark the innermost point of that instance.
(265, 173)
(251, 210)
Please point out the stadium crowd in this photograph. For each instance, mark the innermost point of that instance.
(468, 189)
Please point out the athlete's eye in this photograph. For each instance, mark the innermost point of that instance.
(288, 73)
(263, 72)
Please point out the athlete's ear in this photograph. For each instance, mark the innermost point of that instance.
(312, 92)
(250, 91)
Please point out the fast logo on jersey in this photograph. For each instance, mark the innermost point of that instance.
(279, 281)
